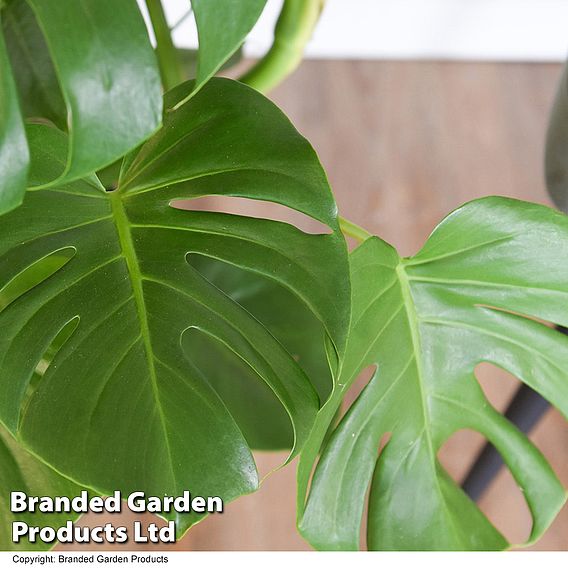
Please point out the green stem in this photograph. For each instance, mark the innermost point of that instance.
(291, 34)
(293, 30)
(170, 68)
(350, 229)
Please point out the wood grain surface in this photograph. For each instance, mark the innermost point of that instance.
(405, 143)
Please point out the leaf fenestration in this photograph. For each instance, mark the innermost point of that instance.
(259, 414)
(467, 297)
(143, 416)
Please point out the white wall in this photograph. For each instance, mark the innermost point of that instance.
(508, 30)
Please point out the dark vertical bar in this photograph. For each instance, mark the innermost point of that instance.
(524, 411)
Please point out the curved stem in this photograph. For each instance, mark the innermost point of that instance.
(350, 229)
(170, 68)
(291, 34)
(293, 30)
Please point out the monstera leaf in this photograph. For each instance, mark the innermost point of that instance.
(20, 471)
(261, 417)
(470, 295)
(100, 81)
(556, 158)
(222, 26)
(102, 281)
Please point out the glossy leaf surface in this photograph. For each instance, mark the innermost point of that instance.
(222, 26)
(469, 296)
(108, 76)
(86, 66)
(120, 406)
(20, 471)
(261, 417)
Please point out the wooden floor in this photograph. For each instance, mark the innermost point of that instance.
(404, 144)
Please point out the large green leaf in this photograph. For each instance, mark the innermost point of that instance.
(20, 471)
(556, 157)
(467, 297)
(120, 406)
(87, 66)
(14, 158)
(222, 26)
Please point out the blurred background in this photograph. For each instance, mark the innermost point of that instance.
(414, 107)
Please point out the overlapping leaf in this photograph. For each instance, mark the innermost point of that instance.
(222, 26)
(470, 295)
(32, 67)
(20, 471)
(262, 419)
(120, 406)
(100, 81)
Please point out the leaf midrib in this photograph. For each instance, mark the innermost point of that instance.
(413, 324)
(412, 317)
(122, 224)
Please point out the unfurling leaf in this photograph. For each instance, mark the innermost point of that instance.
(471, 295)
(119, 405)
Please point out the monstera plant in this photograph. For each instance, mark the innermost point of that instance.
(149, 345)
